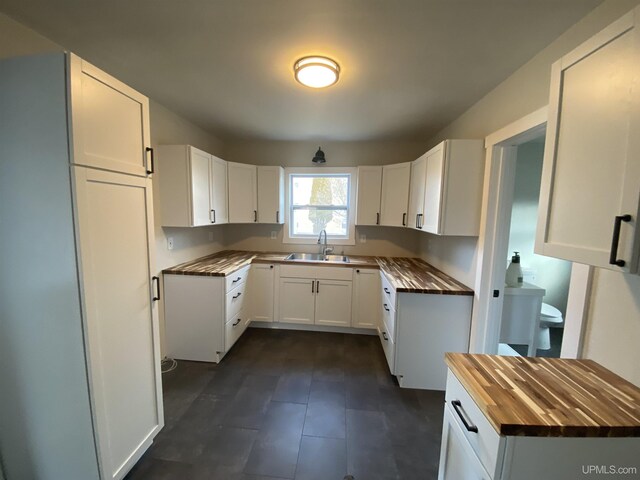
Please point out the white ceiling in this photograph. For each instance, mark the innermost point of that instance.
(409, 67)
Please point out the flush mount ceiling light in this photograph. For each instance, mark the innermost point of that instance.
(316, 72)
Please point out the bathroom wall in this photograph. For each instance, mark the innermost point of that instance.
(552, 274)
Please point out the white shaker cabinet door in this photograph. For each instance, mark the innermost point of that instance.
(591, 174)
(416, 193)
(261, 291)
(333, 302)
(395, 194)
(200, 163)
(433, 189)
(297, 300)
(366, 298)
(110, 121)
(369, 191)
(219, 207)
(114, 215)
(270, 195)
(243, 193)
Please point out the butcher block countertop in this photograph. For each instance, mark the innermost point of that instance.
(549, 397)
(405, 274)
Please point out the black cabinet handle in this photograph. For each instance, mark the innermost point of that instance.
(404, 219)
(385, 307)
(313, 286)
(236, 280)
(153, 169)
(156, 280)
(384, 335)
(617, 224)
(255, 215)
(457, 406)
(214, 216)
(236, 322)
(318, 287)
(419, 221)
(386, 290)
(237, 295)
(377, 218)
(277, 216)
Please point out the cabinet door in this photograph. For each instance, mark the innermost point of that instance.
(458, 461)
(395, 194)
(416, 192)
(433, 189)
(591, 171)
(200, 163)
(110, 121)
(243, 193)
(366, 298)
(219, 210)
(260, 291)
(369, 192)
(333, 302)
(270, 195)
(115, 224)
(297, 300)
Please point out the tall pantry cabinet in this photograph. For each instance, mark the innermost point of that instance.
(79, 334)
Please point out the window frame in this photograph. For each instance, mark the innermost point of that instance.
(351, 205)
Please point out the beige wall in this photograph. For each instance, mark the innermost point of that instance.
(613, 325)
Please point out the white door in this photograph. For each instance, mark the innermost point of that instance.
(591, 172)
(369, 192)
(243, 193)
(333, 302)
(261, 291)
(458, 461)
(395, 194)
(366, 298)
(416, 192)
(200, 187)
(110, 121)
(433, 189)
(270, 195)
(219, 210)
(297, 300)
(115, 222)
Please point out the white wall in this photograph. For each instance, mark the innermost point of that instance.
(613, 331)
(552, 274)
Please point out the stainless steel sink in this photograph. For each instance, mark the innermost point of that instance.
(317, 257)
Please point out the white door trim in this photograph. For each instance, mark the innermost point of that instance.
(497, 199)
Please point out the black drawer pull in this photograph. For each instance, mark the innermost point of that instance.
(237, 280)
(386, 290)
(255, 215)
(236, 323)
(313, 286)
(378, 218)
(237, 295)
(385, 307)
(404, 219)
(613, 256)
(153, 168)
(457, 406)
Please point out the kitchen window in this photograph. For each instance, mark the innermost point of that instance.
(319, 201)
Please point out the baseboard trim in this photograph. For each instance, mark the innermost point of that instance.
(312, 328)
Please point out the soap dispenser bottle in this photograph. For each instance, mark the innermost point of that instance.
(514, 272)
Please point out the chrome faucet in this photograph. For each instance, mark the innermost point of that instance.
(324, 248)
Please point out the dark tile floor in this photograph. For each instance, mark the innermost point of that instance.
(294, 405)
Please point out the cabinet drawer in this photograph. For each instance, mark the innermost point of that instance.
(236, 278)
(234, 301)
(319, 272)
(233, 329)
(486, 441)
(388, 346)
(388, 317)
(388, 291)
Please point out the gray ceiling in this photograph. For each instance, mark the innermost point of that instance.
(409, 67)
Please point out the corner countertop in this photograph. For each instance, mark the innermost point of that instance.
(411, 275)
(549, 397)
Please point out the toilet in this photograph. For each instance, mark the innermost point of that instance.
(550, 316)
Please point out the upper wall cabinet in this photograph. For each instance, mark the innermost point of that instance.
(270, 195)
(111, 122)
(369, 191)
(243, 193)
(395, 194)
(416, 192)
(453, 188)
(591, 175)
(193, 187)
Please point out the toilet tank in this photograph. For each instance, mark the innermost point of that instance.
(520, 309)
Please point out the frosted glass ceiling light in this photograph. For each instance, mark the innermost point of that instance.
(316, 72)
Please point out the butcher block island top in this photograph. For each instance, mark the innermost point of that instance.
(549, 397)
(405, 274)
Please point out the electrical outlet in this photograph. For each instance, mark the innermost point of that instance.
(363, 238)
(274, 235)
(169, 243)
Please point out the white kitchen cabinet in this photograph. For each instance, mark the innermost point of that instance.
(111, 122)
(79, 317)
(193, 187)
(395, 194)
(453, 191)
(366, 298)
(315, 295)
(416, 192)
(591, 173)
(369, 193)
(261, 292)
(270, 195)
(243, 192)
